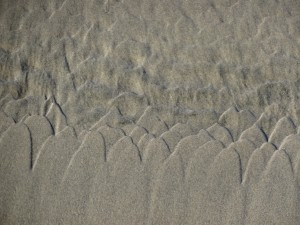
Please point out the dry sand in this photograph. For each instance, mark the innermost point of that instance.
(127, 112)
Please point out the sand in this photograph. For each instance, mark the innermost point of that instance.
(149, 112)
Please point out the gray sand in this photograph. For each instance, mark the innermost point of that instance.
(116, 112)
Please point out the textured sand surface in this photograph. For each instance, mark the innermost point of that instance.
(150, 112)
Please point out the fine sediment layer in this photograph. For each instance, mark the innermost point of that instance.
(149, 112)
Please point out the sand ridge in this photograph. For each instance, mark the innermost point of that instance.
(204, 175)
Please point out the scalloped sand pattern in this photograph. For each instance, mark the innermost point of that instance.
(174, 112)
